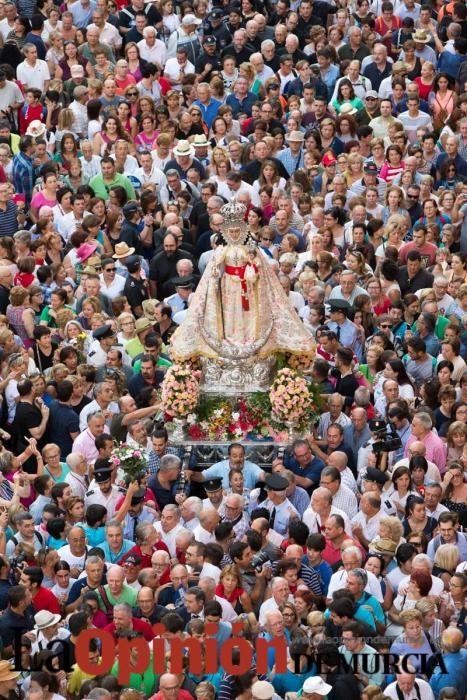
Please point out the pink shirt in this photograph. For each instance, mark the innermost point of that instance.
(435, 450)
(86, 445)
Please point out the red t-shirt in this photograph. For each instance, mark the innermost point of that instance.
(181, 695)
(46, 600)
(145, 558)
(138, 626)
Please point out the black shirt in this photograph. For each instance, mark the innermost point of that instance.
(376, 76)
(27, 416)
(135, 290)
(203, 60)
(11, 624)
(242, 56)
(137, 383)
(127, 16)
(422, 280)
(4, 298)
(162, 268)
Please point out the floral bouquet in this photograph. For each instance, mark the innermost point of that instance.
(291, 400)
(129, 459)
(180, 391)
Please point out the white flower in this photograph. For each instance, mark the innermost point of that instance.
(235, 416)
(191, 417)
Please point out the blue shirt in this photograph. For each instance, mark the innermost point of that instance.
(82, 16)
(244, 106)
(209, 111)
(290, 162)
(456, 676)
(114, 558)
(348, 336)
(251, 473)
(312, 471)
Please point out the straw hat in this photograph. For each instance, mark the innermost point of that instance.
(184, 148)
(295, 136)
(122, 250)
(6, 672)
(44, 619)
(420, 36)
(200, 141)
(347, 109)
(149, 308)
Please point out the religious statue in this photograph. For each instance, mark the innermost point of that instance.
(239, 317)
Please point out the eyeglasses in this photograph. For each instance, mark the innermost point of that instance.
(111, 269)
(274, 87)
(371, 99)
(132, 94)
(385, 325)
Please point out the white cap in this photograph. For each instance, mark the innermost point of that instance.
(316, 685)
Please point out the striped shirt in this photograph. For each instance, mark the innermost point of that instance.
(9, 219)
(23, 175)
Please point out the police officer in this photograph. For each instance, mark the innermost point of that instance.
(208, 63)
(218, 29)
(346, 331)
(183, 288)
(104, 338)
(277, 503)
(102, 491)
(137, 513)
(136, 288)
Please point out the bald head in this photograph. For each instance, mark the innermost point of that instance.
(452, 640)
(338, 460)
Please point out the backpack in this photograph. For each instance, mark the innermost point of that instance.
(107, 604)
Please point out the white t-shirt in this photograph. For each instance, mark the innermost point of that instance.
(33, 76)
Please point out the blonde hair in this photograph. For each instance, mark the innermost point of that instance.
(66, 119)
(447, 557)
(315, 618)
(232, 570)
(425, 606)
(393, 524)
(456, 428)
(410, 616)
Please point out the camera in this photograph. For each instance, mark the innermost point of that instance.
(259, 560)
(384, 441)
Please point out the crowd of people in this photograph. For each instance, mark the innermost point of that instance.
(341, 126)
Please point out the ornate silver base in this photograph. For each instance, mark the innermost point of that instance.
(232, 377)
(179, 432)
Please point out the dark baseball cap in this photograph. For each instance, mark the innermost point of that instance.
(209, 40)
(371, 168)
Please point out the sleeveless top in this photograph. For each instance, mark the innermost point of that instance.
(15, 317)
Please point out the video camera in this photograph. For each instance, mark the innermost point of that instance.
(385, 440)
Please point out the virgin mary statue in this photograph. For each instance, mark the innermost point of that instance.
(239, 314)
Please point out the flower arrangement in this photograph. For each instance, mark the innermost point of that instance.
(218, 420)
(180, 391)
(291, 399)
(129, 459)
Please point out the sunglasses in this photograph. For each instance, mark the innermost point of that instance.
(132, 94)
(385, 325)
(274, 87)
(371, 99)
(111, 269)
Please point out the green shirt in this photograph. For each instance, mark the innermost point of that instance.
(45, 316)
(129, 595)
(364, 369)
(143, 682)
(101, 189)
(161, 362)
(440, 328)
